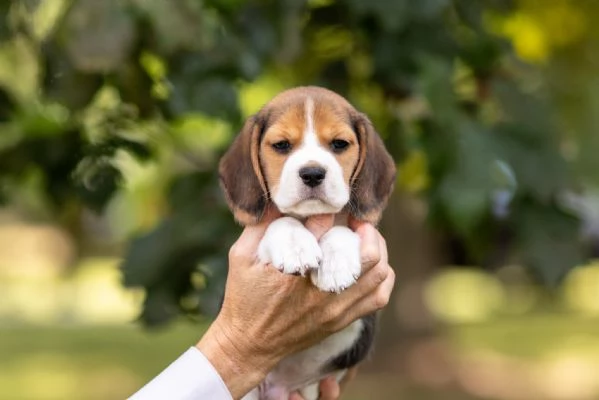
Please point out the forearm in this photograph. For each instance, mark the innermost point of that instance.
(240, 366)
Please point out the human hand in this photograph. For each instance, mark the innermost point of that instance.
(255, 328)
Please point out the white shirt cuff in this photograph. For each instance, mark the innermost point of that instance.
(190, 377)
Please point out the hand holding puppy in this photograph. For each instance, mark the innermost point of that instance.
(267, 315)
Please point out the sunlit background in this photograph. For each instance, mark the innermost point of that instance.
(113, 231)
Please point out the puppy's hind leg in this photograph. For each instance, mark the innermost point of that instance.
(310, 392)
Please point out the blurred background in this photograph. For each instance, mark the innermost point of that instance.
(114, 232)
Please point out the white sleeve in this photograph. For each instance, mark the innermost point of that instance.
(190, 377)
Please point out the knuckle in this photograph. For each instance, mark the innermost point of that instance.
(232, 253)
(383, 240)
(335, 312)
(330, 317)
(381, 300)
(381, 273)
(370, 254)
(327, 323)
(330, 327)
(235, 253)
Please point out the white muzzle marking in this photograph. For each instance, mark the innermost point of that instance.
(293, 195)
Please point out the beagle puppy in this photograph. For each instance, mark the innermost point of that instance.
(308, 152)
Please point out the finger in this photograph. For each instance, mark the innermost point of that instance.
(381, 296)
(366, 285)
(248, 241)
(329, 389)
(295, 396)
(320, 224)
(370, 251)
(372, 302)
(383, 249)
(372, 276)
(358, 225)
(354, 223)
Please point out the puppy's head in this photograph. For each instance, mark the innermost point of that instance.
(309, 152)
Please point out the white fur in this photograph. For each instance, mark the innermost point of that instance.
(310, 392)
(289, 247)
(292, 196)
(341, 260)
(254, 394)
(301, 371)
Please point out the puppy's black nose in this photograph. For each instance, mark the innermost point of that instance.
(312, 176)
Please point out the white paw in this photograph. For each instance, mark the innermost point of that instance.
(290, 247)
(341, 260)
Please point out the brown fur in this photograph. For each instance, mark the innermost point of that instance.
(240, 174)
(374, 178)
(251, 166)
(288, 126)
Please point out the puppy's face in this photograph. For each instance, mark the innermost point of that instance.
(308, 151)
(308, 155)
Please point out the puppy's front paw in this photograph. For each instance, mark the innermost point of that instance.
(290, 247)
(341, 260)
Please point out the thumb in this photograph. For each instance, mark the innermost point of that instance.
(320, 224)
(355, 224)
(252, 234)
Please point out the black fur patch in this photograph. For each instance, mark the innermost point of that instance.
(360, 349)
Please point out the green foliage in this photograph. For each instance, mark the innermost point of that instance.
(92, 90)
(193, 240)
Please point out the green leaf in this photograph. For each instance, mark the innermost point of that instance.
(392, 14)
(147, 256)
(177, 25)
(540, 169)
(428, 9)
(211, 295)
(160, 306)
(213, 96)
(435, 83)
(98, 35)
(528, 111)
(65, 84)
(467, 189)
(19, 69)
(97, 182)
(549, 240)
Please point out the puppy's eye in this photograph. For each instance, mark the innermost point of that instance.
(282, 147)
(339, 145)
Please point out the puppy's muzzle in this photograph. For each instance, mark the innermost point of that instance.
(312, 176)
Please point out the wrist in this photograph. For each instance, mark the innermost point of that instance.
(240, 364)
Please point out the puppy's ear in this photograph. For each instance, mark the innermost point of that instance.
(374, 177)
(241, 176)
